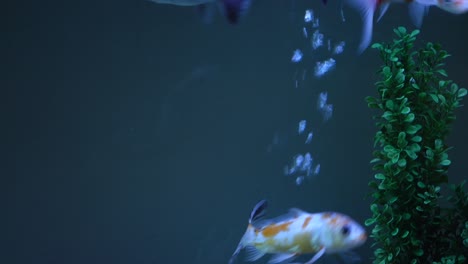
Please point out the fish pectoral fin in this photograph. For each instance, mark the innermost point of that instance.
(278, 258)
(253, 254)
(316, 256)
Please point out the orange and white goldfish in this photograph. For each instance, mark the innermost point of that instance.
(298, 233)
(417, 10)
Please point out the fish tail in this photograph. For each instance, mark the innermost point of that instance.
(366, 9)
(245, 241)
(234, 255)
(258, 211)
(417, 11)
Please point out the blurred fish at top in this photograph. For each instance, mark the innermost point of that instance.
(417, 10)
(232, 9)
(451, 6)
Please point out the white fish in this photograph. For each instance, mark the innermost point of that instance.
(297, 233)
(417, 10)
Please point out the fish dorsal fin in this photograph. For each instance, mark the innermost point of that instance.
(258, 211)
(296, 211)
(290, 215)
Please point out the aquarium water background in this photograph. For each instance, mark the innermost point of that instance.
(139, 133)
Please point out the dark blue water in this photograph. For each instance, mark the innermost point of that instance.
(135, 133)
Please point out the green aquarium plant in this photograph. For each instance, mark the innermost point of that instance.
(415, 105)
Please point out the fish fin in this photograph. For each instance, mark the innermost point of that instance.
(258, 211)
(366, 9)
(253, 254)
(234, 255)
(289, 216)
(244, 242)
(428, 2)
(281, 257)
(367, 28)
(417, 12)
(296, 211)
(316, 256)
(382, 10)
(234, 9)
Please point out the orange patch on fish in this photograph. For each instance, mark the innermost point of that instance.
(306, 222)
(272, 230)
(326, 215)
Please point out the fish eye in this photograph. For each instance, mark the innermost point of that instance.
(345, 230)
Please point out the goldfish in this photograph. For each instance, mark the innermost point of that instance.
(417, 10)
(297, 233)
(451, 6)
(232, 9)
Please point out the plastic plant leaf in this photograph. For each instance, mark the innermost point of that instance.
(462, 92)
(369, 222)
(379, 176)
(445, 162)
(409, 118)
(405, 110)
